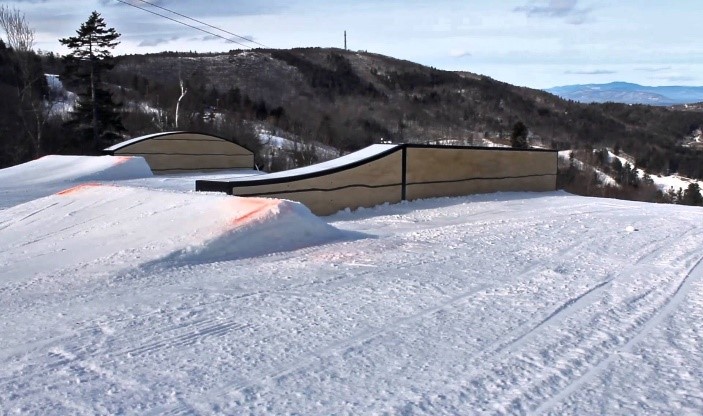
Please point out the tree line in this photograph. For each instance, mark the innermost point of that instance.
(38, 118)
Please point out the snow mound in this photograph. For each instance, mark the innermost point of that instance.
(106, 229)
(50, 174)
(63, 169)
(257, 227)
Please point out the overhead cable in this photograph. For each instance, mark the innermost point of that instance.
(184, 24)
(203, 23)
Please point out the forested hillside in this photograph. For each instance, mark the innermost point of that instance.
(347, 100)
(351, 99)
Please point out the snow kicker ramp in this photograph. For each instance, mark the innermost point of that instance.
(50, 174)
(108, 229)
(382, 174)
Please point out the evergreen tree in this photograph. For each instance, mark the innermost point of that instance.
(96, 118)
(692, 195)
(518, 138)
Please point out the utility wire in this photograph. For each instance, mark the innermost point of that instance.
(184, 24)
(203, 23)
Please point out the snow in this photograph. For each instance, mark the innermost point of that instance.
(603, 177)
(120, 299)
(126, 143)
(664, 183)
(276, 141)
(53, 173)
(323, 152)
(54, 168)
(54, 82)
(673, 181)
(62, 101)
(365, 153)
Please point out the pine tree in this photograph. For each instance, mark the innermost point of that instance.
(518, 138)
(96, 118)
(692, 195)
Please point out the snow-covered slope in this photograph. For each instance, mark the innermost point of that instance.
(664, 183)
(51, 174)
(70, 169)
(124, 300)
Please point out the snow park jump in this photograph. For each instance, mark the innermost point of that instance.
(392, 173)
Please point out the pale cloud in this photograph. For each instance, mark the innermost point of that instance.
(675, 78)
(158, 41)
(653, 69)
(459, 53)
(591, 72)
(563, 9)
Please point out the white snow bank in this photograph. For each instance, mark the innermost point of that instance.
(104, 229)
(55, 168)
(50, 174)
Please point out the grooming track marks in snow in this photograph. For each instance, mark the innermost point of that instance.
(124, 300)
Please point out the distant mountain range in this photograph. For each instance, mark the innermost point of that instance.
(628, 93)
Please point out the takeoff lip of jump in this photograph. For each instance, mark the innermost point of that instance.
(248, 209)
(79, 188)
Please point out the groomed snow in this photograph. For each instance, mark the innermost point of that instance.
(51, 174)
(67, 169)
(123, 300)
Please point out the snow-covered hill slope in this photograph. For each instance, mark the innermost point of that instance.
(54, 173)
(71, 169)
(664, 183)
(137, 301)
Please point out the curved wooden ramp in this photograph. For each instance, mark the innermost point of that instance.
(391, 173)
(182, 151)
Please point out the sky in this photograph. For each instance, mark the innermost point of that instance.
(533, 43)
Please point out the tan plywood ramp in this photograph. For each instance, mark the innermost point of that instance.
(185, 151)
(436, 172)
(392, 173)
(370, 184)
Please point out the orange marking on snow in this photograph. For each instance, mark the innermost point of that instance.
(122, 159)
(248, 209)
(78, 188)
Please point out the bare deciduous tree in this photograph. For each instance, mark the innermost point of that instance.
(184, 91)
(20, 37)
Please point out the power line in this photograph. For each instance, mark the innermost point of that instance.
(203, 23)
(184, 24)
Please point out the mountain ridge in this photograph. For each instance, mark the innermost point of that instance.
(630, 93)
